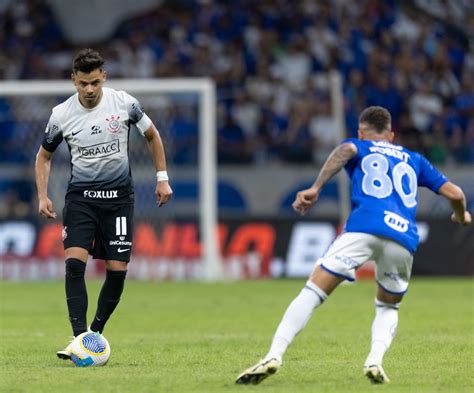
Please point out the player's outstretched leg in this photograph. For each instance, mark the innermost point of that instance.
(294, 320)
(376, 374)
(260, 371)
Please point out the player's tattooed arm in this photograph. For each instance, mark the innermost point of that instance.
(335, 162)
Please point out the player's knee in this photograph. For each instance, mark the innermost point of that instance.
(391, 298)
(317, 290)
(116, 275)
(75, 268)
(116, 282)
(386, 305)
(324, 280)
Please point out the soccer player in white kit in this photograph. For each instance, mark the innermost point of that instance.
(382, 227)
(98, 213)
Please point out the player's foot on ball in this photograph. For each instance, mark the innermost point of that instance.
(257, 373)
(65, 354)
(376, 374)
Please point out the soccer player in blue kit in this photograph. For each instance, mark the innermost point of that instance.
(384, 179)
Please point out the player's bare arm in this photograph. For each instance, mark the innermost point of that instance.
(335, 162)
(456, 197)
(163, 190)
(42, 170)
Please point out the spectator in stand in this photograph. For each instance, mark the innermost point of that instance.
(464, 101)
(468, 145)
(407, 134)
(232, 144)
(183, 135)
(424, 106)
(323, 130)
(296, 144)
(436, 144)
(382, 92)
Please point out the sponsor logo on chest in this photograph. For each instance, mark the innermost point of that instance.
(96, 130)
(99, 150)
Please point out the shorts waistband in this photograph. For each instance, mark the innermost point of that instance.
(94, 195)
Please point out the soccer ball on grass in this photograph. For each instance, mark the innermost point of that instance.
(90, 349)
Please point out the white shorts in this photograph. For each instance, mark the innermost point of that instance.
(352, 249)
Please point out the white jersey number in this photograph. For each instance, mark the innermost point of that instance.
(120, 226)
(378, 184)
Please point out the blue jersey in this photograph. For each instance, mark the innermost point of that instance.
(384, 181)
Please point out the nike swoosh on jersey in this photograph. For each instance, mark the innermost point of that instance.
(77, 132)
(122, 249)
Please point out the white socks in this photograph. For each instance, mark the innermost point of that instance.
(384, 328)
(296, 316)
(311, 296)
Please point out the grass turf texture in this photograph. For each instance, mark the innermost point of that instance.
(196, 337)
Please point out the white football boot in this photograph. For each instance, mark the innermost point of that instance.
(257, 373)
(376, 374)
(65, 354)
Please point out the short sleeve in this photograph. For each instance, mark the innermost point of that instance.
(355, 142)
(350, 165)
(137, 115)
(53, 135)
(429, 176)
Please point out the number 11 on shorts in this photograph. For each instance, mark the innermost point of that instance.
(120, 226)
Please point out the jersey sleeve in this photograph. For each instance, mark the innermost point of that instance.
(53, 135)
(350, 165)
(137, 115)
(429, 176)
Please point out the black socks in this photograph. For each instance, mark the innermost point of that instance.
(76, 295)
(109, 298)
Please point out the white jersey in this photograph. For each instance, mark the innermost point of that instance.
(98, 142)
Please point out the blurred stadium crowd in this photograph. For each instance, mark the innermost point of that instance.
(270, 60)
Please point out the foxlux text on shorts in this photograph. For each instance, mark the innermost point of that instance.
(109, 194)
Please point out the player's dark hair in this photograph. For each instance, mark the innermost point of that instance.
(377, 117)
(87, 60)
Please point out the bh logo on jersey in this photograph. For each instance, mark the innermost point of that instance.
(396, 222)
(114, 124)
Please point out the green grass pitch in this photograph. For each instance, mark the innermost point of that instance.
(196, 337)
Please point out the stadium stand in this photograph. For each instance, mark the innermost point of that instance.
(269, 60)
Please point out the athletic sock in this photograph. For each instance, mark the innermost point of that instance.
(76, 295)
(384, 328)
(109, 298)
(295, 318)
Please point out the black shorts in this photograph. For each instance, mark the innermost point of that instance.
(104, 229)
